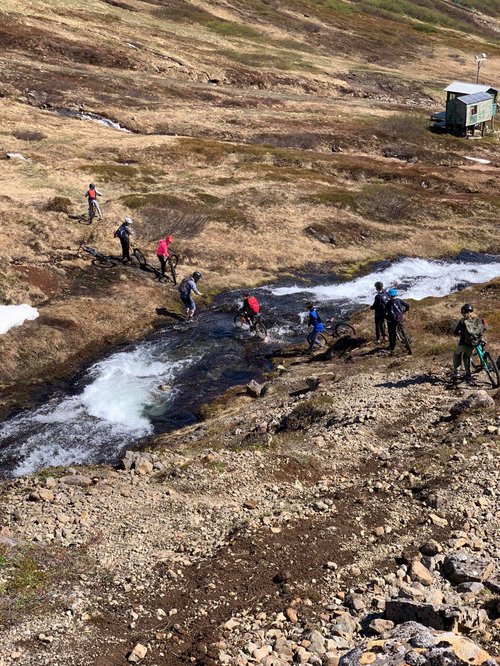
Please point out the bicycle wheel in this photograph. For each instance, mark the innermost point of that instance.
(172, 262)
(341, 328)
(260, 330)
(491, 369)
(91, 213)
(174, 259)
(321, 340)
(475, 361)
(103, 262)
(404, 338)
(139, 256)
(240, 321)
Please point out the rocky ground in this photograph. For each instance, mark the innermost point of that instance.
(347, 514)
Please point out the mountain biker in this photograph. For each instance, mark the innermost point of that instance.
(317, 327)
(470, 329)
(381, 298)
(187, 285)
(162, 252)
(123, 233)
(250, 307)
(394, 311)
(92, 195)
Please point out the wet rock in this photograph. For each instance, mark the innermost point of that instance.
(476, 401)
(415, 645)
(461, 567)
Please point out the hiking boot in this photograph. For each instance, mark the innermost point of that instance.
(469, 379)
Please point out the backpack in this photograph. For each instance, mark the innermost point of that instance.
(253, 304)
(92, 194)
(120, 232)
(473, 331)
(185, 287)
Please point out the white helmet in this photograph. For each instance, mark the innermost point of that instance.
(128, 220)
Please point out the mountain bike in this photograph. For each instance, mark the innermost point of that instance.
(145, 266)
(339, 328)
(99, 259)
(243, 321)
(92, 210)
(403, 337)
(482, 360)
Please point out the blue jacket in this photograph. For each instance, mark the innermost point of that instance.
(315, 321)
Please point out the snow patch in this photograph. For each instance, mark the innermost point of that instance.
(15, 315)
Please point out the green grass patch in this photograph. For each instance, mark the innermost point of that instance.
(153, 200)
(112, 172)
(338, 198)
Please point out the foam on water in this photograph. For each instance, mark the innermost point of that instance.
(415, 278)
(103, 418)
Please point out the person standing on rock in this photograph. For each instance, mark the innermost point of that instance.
(188, 285)
(162, 252)
(470, 329)
(123, 233)
(394, 312)
(381, 298)
(317, 327)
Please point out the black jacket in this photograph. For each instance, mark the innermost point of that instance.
(379, 303)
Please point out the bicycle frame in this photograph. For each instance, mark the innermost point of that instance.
(479, 348)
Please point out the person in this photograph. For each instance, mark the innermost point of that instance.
(394, 311)
(162, 252)
(470, 328)
(123, 233)
(381, 298)
(317, 327)
(187, 285)
(250, 307)
(92, 195)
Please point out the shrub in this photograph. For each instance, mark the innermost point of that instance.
(408, 126)
(28, 136)
(58, 205)
(156, 222)
(388, 203)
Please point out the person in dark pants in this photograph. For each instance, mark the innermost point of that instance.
(394, 311)
(317, 327)
(470, 329)
(381, 298)
(123, 233)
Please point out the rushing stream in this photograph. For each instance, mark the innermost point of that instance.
(117, 401)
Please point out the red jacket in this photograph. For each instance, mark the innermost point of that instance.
(252, 304)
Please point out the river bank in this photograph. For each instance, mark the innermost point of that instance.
(274, 518)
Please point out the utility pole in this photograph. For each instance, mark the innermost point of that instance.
(479, 59)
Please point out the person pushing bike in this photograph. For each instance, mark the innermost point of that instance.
(123, 233)
(188, 285)
(162, 252)
(470, 328)
(394, 313)
(92, 194)
(317, 327)
(250, 307)
(381, 298)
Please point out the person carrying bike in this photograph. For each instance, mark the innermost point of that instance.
(394, 312)
(123, 233)
(188, 285)
(381, 298)
(162, 252)
(92, 194)
(470, 328)
(317, 327)
(250, 307)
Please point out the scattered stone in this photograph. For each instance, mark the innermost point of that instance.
(431, 548)
(16, 156)
(254, 389)
(46, 495)
(291, 614)
(250, 504)
(478, 400)
(437, 520)
(137, 654)
(461, 567)
(380, 626)
(143, 466)
(76, 480)
(474, 588)
(420, 573)
(231, 624)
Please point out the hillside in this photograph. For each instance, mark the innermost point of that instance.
(272, 138)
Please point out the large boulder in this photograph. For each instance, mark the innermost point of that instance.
(476, 401)
(412, 643)
(443, 617)
(462, 567)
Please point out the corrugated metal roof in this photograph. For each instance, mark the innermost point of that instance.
(466, 88)
(474, 99)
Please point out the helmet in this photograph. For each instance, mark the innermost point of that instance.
(310, 305)
(379, 285)
(467, 308)
(392, 292)
(128, 220)
(169, 239)
(246, 294)
(197, 275)
(92, 186)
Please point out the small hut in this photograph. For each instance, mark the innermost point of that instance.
(469, 106)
